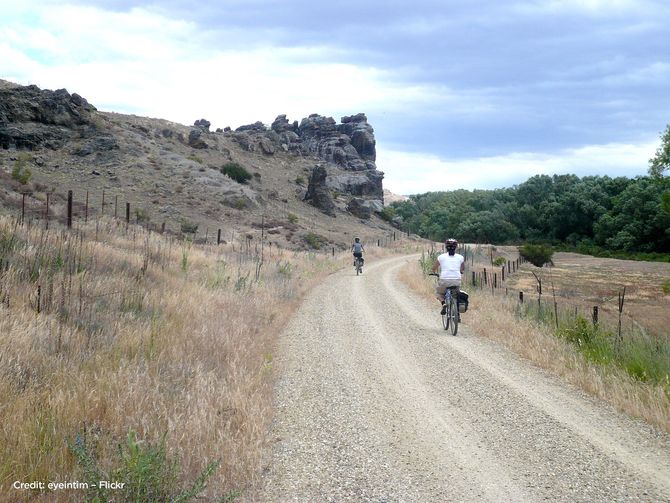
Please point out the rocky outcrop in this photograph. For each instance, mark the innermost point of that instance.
(195, 139)
(349, 150)
(203, 123)
(31, 118)
(99, 144)
(363, 208)
(318, 194)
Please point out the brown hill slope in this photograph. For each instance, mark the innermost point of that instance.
(172, 174)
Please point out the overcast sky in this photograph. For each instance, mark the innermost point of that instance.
(461, 94)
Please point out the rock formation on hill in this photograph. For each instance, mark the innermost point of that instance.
(347, 149)
(174, 171)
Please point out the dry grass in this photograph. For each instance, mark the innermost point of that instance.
(105, 331)
(493, 317)
(136, 332)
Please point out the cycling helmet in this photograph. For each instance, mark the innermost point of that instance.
(357, 239)
(451, 244)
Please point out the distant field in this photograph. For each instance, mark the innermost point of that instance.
(583, 281)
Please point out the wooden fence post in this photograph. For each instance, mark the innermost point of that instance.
(116, 205)
(486, 282)
(503, 273)
(595, 315)
(218, 237)
(103, 203)
(86, 209)
(46, 216)
(127, 214)
(69, 209)
(521, 297)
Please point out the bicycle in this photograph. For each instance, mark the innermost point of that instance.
(358, 265)
(450, 318)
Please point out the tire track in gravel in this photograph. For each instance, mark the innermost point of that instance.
(375, 402)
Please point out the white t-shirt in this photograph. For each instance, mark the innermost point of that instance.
(450, 266)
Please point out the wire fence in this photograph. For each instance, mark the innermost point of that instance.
(71, 208)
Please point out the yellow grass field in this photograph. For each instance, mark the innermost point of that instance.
(579, 281)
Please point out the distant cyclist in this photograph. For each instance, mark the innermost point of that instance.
(357, 249)
(451, 266)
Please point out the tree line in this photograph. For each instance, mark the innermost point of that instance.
(592, 214)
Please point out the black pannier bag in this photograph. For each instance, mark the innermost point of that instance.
(462, 301)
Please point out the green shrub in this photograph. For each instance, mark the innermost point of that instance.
(388, 213)
(665, 286)
(427, 260)
(536, 254)
(314, 240)
(499, 261)
(142, 215)
(188, 227)
(292, 218)
(300, 180)
(236, 171)
(147, 472)
(195, 158)
(21, 173)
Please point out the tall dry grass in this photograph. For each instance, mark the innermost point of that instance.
(106, 332)
(493, 317)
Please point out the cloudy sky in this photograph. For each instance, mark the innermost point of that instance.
(461, 94)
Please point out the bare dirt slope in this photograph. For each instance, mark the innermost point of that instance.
(377, 403)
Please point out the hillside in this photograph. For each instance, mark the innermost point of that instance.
(313, 182)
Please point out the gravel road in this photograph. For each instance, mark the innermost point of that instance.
(375, 402)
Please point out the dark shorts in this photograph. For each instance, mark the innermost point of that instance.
(443, 284)
(358, 254)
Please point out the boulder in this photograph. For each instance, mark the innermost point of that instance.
(98, 144)
(256, 127)
(360, 208)
(364, 183)
(280, 124)
(202, 123)
(195, 139)
(243, 140)
(318, 194)
(266, 146)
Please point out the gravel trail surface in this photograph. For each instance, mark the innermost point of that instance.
(376, 402)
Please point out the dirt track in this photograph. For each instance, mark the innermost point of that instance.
(375, 402)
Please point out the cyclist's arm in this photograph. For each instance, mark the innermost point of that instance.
(462, 267)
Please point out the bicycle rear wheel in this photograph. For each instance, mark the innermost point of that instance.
(452, 310)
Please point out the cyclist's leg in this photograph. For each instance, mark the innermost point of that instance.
(440, 292)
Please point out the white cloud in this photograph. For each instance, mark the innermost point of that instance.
(144, 63)
(414, 173)
(588, 7)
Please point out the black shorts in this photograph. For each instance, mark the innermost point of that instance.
(358, 254)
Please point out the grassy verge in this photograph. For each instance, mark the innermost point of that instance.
(632, 373)
(128, 356)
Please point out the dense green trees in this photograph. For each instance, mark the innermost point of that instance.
(590, 213)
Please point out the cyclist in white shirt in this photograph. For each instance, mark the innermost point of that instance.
(451, 266)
